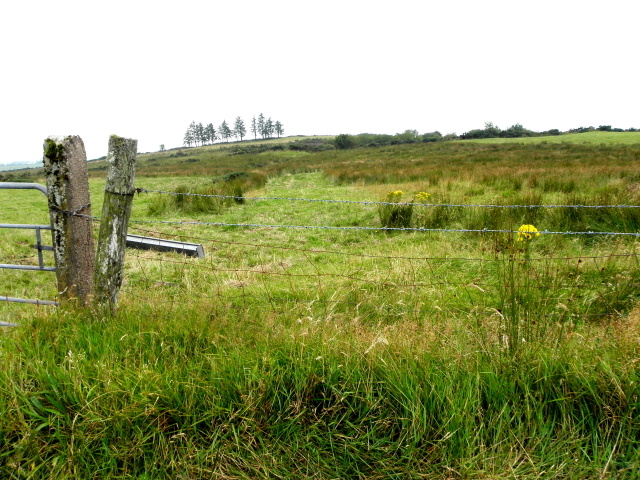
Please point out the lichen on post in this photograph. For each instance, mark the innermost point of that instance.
(116, 210)
(65, 167)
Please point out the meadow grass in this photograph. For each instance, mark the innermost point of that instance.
(332, 353)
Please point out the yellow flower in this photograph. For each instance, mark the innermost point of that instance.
(527, 232)
(422, 197)
(394, 196)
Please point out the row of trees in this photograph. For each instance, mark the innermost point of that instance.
(199, 134)
(266, 127)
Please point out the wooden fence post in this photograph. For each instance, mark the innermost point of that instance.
(116, 210)
(65, 167)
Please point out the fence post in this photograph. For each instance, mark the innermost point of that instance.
(65, 167)
(116, 210)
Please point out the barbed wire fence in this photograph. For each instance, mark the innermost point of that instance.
(279, 278)
(267, 278)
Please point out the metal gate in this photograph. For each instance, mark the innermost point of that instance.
(38, 245)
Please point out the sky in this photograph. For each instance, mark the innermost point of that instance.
(147, 69)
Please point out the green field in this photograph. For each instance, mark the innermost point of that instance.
(595, 137)
(4, 168)
(310, 343)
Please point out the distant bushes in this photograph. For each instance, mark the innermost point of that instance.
(601, 128)
(492, 131)
(345, 141)
(11, 177)
(517, 131)
(305, 145)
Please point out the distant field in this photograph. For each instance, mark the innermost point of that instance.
(625, 138)
(4, 168)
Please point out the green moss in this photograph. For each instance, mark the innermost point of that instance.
(53, 150)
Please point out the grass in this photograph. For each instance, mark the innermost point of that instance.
(151, 397)
(330, 353)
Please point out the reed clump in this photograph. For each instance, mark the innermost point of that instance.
(213, 198)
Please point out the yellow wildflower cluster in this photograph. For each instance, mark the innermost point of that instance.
(421, 197)
(394, 196)
(527, 232)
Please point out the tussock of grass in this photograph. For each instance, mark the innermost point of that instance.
(212, 199)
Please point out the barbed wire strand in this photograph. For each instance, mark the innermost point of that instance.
(293, 199)
(182, 236)
(351, 277)
(306, 302)
(383, 229)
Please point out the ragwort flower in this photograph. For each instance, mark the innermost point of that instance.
(527, 232)
(421, 197)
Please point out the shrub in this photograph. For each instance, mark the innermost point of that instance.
(229, 177)
(344, 141)
(432, 137)
(553, 131)
(516, 131)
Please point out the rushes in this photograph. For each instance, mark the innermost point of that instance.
(393, 212)
(213, 198)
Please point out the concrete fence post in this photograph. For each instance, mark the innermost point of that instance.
(65, 167)
(116, 210)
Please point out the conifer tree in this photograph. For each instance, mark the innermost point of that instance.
(261, 123)
(225, 131)
(238, 129)
(210, 133)
(254, 128)
(279, 128)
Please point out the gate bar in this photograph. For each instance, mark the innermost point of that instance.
(38, 246)
(24, 300)
(24, 186)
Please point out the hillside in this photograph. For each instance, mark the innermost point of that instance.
(425, 310)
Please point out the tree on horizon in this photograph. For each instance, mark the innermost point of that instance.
(238, 129)
(279, 128)
(225, 131)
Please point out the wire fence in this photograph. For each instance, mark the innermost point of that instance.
(421, 205)
(261, 277)
(268, 275)
(356, 202)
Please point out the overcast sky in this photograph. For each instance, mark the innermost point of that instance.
(146, 69)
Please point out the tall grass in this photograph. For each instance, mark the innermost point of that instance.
(154, 397)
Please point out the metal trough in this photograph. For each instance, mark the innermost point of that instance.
(150, 243)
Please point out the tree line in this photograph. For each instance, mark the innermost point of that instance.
(199, 134)
(490, 130)
(515, 131)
